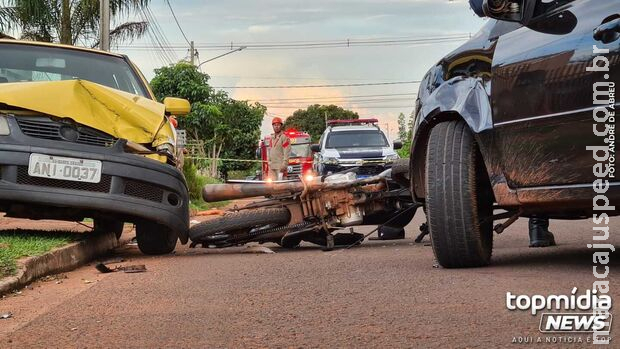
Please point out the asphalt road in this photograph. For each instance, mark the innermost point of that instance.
(381, 294)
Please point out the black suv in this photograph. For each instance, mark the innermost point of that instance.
(519, 118)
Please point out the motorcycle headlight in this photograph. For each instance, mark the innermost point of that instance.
(4, 126)
(330, 161)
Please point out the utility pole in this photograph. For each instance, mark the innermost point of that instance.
(104, 25)
(192, 53)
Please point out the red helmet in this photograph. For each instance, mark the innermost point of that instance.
(276, 120)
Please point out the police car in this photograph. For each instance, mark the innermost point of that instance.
(360, 144)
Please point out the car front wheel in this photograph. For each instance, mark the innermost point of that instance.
(459, 199)
(155, 239)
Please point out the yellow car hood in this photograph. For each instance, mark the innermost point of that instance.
(117, 113)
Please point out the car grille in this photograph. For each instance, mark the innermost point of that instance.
(143, 190)
(370, 170)
(24, 178)
(43, 127)
(295, 169)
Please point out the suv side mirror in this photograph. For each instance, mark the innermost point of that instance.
(315, 148)
(521, 11)
(398, 145)
(177, 106)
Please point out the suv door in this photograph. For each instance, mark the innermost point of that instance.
(542, 95)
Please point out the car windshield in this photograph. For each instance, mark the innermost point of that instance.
(24, 63)
(356, 139)
(300, 150)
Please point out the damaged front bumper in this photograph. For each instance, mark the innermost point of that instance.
(132, 188)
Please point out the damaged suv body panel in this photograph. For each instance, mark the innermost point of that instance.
(526, 94)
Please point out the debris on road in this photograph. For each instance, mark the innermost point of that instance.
(138, 268)
(258, 249)
(6, 316)
(58, 278)
(102, 268)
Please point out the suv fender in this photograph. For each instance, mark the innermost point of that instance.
(460, 98)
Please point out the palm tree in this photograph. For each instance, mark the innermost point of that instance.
(7, 14)
(69, 21)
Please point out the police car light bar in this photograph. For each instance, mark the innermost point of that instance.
(351, 122)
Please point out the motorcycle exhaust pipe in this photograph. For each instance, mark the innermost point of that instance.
(232, 191)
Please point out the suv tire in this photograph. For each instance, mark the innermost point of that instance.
(155, 239)
(459, 200)
(104, 225)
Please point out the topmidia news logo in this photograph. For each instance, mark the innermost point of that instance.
(574, 313)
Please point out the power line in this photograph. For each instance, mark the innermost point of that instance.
(355, 101)
(338, 97)
(315, 45)
(177, 21)
(158, 38)
(321, 86)
(294, 78)
(351, 42)
(363, 107)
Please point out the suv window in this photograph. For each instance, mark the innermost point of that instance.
(23, 63)
(356, 139)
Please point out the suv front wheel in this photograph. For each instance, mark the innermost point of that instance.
(459, 199)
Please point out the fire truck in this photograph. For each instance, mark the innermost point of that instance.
(300, 160)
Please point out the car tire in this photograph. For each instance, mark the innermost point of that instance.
(155, 239)
(104, 225)
(459, 199)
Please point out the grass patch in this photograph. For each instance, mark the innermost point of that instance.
(203, 206)
(195, 183)
(16, 244)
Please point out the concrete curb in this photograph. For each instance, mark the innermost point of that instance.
(61, 260)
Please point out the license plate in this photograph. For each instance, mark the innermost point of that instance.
(68, 169)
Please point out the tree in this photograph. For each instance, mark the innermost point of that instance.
(69, 21)
(223, 126)
(313, 119)
(402, 127)
(405, 131)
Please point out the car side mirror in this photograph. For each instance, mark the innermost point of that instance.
(315, 148)
(177, 106)
(398, 145)
(521, 11)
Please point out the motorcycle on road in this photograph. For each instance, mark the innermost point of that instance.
(307, 210)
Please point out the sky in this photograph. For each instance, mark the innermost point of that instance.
(237, 22)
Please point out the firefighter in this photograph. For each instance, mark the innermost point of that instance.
(279, 151)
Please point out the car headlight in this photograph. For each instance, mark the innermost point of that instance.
(392, 158)
(166, 148)
(330, 161)
(4, 126)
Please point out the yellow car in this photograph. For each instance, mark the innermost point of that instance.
(82, 136)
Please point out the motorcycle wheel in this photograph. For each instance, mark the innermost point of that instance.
(216, 230)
